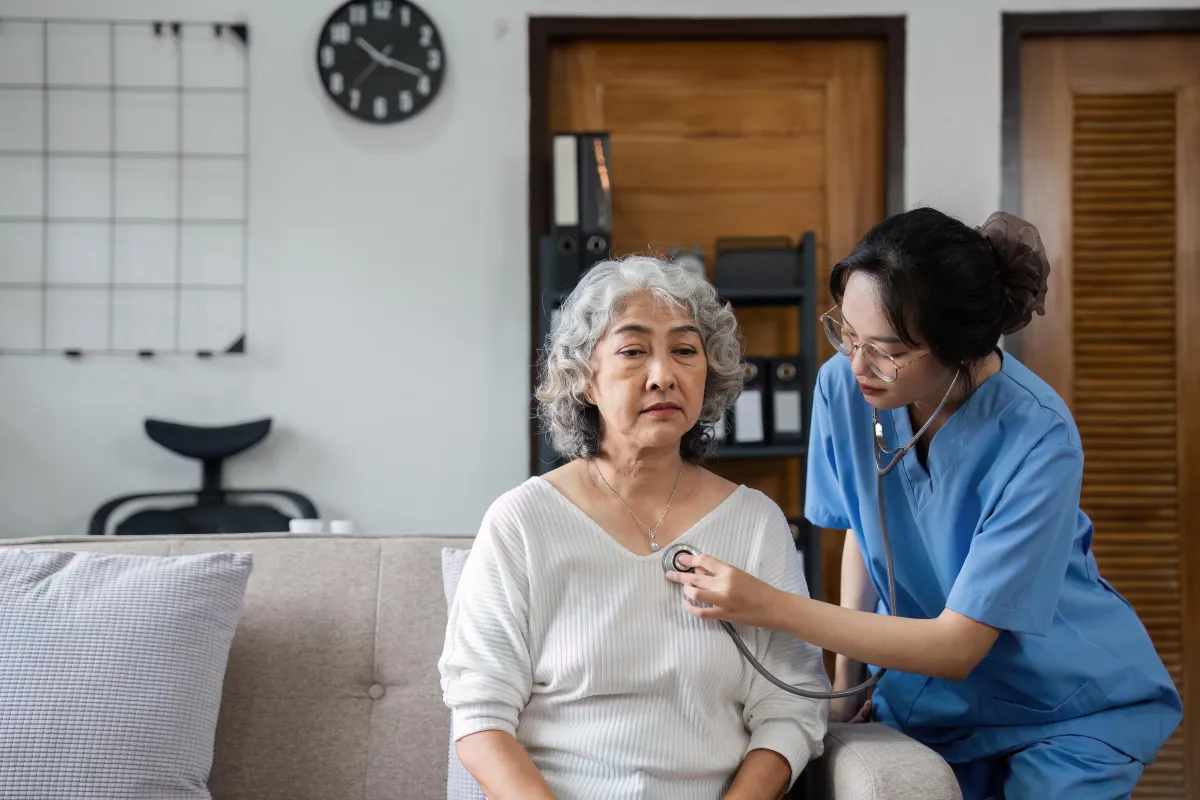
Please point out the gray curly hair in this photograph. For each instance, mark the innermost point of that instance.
(604, 291)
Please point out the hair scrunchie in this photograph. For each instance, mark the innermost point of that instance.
(1024, 268)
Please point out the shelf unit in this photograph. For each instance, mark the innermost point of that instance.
(551, 293)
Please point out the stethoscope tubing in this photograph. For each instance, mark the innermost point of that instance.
(881, 470)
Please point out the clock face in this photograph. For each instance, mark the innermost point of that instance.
(381, 61)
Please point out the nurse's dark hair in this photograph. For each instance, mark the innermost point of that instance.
(947, 285)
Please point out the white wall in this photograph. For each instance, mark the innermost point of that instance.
(389, 278)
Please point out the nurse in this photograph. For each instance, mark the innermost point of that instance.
(1010, 655)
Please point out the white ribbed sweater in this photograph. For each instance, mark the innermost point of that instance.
(582, 650)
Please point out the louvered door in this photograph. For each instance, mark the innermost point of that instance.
(1111, 175)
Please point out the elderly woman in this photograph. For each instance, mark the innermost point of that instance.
(571, 669)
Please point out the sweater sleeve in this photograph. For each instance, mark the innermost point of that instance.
(486, 671)
(790, 725)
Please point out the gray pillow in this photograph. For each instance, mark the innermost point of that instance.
(459, 783)
(111, 669)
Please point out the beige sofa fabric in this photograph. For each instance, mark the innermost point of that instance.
(332, 685)
(332, 688)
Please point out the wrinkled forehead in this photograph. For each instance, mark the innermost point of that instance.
(649, 311)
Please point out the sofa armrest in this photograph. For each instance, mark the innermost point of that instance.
(875, 762)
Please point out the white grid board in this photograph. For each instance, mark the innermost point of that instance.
(124, 161)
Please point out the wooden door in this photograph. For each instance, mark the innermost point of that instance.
(715, 139)
(1110, 172)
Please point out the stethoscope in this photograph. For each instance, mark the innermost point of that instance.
(671, 555)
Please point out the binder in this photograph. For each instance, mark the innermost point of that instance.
(751, 413)
(787, 400)
(595, 199)
(582, 221)
(565, 221)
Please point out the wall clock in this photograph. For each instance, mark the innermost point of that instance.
(381, 61)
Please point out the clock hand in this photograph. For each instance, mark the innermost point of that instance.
(362, 76)
(400, 65)
(382, 58)
(371, 51)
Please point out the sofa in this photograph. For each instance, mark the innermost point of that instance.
(332, 691)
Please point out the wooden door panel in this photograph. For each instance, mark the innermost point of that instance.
(1116, 65)
(1110, 157)
(710, 64)
(649, 107)
(735, 163)
(713, 139)
(1046, 125)
(1186, 748)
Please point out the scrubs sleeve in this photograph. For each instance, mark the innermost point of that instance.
(824, 501)
(1017, 563)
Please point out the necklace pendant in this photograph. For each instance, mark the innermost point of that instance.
(654, 547)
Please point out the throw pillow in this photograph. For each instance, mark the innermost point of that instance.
(459, 783)
(111, 669)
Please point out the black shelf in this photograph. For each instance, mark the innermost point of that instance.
(764, 297)
(733, 452)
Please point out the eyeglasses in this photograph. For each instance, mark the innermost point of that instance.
(880, 362)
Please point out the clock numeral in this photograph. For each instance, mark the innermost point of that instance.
(327, 56)
(423, 85)
(337, 83)
(339, 33)
(405, 16)
(358, 15)
(380, 107)
(434, 60)
(355, 99)
(426, 35)
(406, 102)
(382, 9)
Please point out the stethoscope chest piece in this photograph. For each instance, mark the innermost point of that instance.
(669, 562)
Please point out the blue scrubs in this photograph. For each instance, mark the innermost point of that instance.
(1072, 700)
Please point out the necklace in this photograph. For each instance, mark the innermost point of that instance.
(650, 531)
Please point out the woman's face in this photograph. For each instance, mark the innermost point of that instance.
(648, 375)
(864, 320)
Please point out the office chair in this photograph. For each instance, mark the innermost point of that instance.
(214, 510)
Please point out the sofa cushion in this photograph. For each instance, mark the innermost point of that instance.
(332, 685)
(459, 783)
(111, 668)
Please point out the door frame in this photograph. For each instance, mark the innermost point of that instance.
(547, 32)
(1018, 27)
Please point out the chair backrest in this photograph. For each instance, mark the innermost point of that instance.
(332, 684)
(214, 509)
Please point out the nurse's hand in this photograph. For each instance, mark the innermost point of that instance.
(724, 592)
(850, 709)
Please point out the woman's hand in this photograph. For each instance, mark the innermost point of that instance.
(848, 673)
(850, 709)
(732, 594)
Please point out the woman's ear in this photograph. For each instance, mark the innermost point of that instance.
(589, 395)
